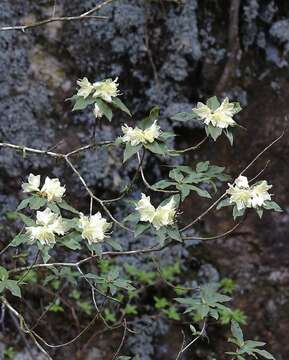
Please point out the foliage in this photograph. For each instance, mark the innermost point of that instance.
(246, 347)
(94, 284)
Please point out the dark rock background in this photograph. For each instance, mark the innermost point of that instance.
(171, 54)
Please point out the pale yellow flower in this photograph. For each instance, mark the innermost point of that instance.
(260, 193)
(106, 89)
(242, 182)
(162, 216)
(134, 136)
(86, 87)
(48, 224)
(93, 227)
(52, 189)
(32, 185)
(152, 132)
(145, 209)
(240, 193)
(222, 117)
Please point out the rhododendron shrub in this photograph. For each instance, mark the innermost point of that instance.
(50, 222)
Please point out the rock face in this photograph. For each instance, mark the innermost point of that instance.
(173, 55)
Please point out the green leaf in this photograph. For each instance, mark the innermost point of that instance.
(154, 113)
(81, 102)
(213, 103)
(96, 247)
(174, 233)
(24, 203)
(202, 166)
(27, 221)
(36, 202)
(120, 105)
(114, 244)
(3, 274)
(123, 284)
(272, 205)
(140, 228)
(172, 313)
(44, 252)
(176, 175)
(237, 332)
(167, 135)
(162, 184)
(20, 239)
(184, 116)
(230, 137)
(200, 192)
(104, 108)
(265, 354)
(213, 131)
(130, 310)
(185, 190)
(223, 203)
(130, 150)
(12, 286)
(133, 217)
(65, 206)
(260, 212)
(53, 207)
(157, 148)
(237, 213)
(72, 241)
(237, 107)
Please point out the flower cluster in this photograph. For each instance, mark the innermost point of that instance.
(158, 217)
(93, 227)
(136, 136)
(221, 117)
(105, 90)
(51, 188)
(47, 225)
(245, 196)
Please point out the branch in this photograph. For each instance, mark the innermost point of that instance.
(241, 173)
(191, 343)
(84, 16)
(189, 148)
(122, 340)
(148, 185)
(23, 326)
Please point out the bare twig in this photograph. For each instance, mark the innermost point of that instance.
(189, 148)
(91, 194)
(228, 232)
(148, 185)
(23, 326)
(84, 16)
(241, 173)
(122, 340)
(193, 341)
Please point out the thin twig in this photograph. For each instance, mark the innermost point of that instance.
(189, 148)
(241, 173)
(193, 341)
(122, 340)
(148, 185)
(84, 16)
(228, 232)
(91, 194)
